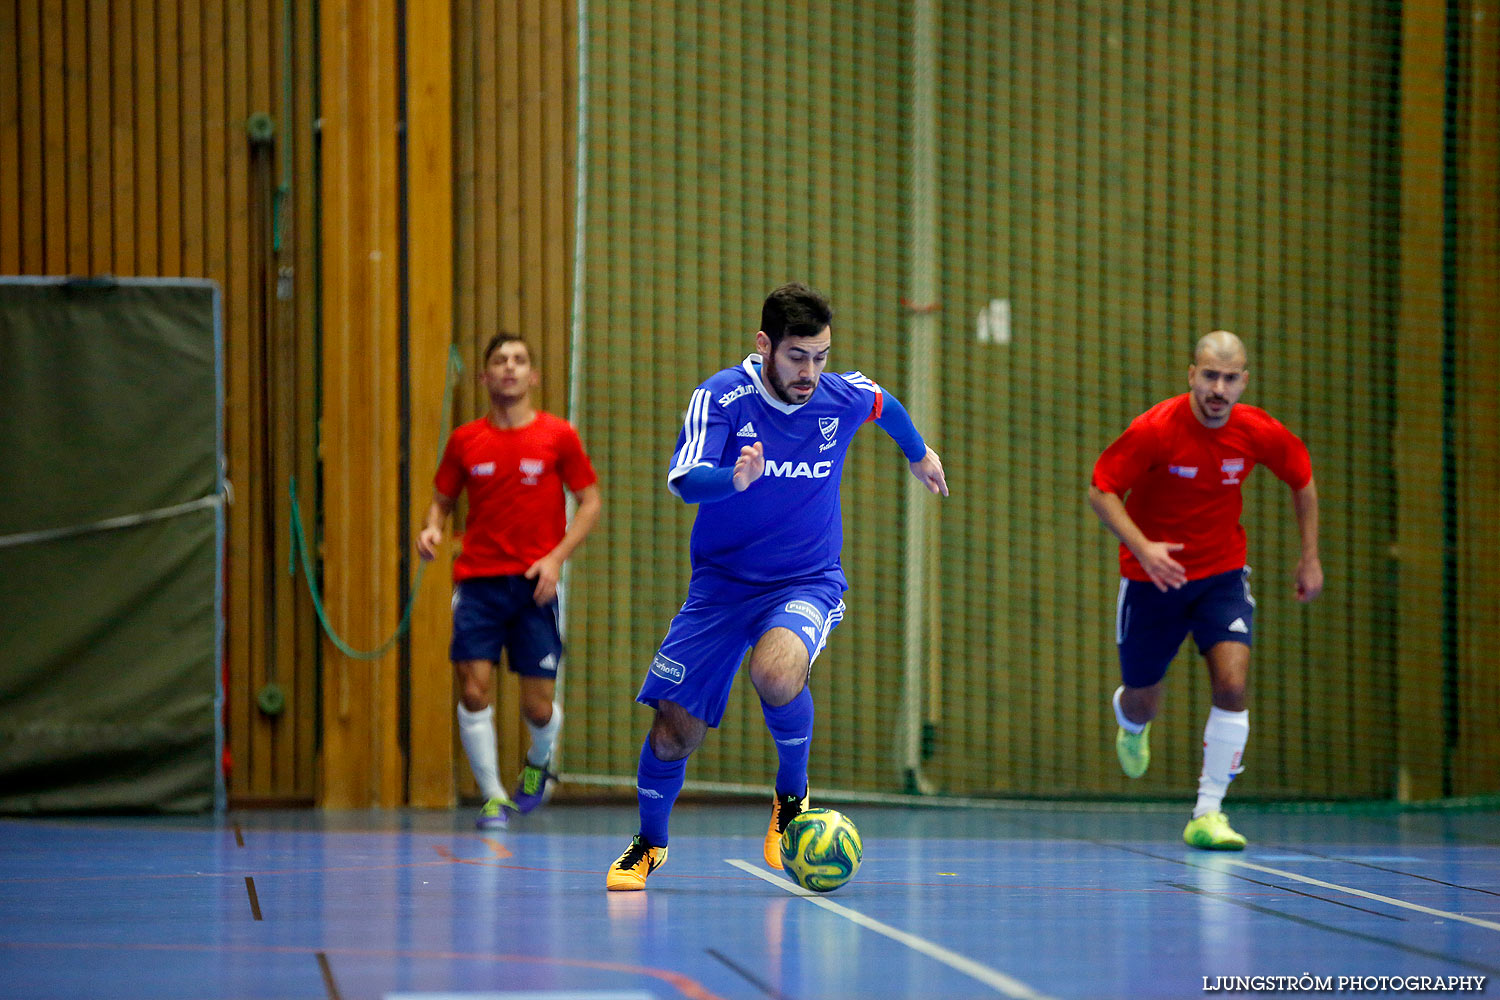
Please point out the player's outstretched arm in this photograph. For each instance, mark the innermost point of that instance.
(1155, 557)
(1309, 567)
(925, 464)
(431, 535)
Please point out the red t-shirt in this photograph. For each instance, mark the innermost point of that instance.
(515, 479)
(1183, 480)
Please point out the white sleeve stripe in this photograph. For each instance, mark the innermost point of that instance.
(704, 398)
(695, 430)
(678, 471)
(861, 381)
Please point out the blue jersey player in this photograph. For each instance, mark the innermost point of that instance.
(761, 452)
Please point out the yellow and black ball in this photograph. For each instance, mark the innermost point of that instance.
(821, 849)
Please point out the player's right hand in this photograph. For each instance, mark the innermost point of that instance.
(929, 472)
(428, 539)
(1156, 559)
(750, 466)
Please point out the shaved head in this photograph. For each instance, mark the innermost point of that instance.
(1217, 377)
(1220, 346)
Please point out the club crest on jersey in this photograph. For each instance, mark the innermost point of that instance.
(531, 470)
(1232, 467)
(829, 426)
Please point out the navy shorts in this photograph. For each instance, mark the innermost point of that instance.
(1150, 625)
(709, 637)
(495, 612)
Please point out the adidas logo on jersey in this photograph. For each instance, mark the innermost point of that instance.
(747, 431)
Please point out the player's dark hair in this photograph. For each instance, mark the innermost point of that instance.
(794, 310)
(505, 338)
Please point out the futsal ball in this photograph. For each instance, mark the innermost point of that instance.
(821, 849)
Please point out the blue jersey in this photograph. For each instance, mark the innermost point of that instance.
(788, 525)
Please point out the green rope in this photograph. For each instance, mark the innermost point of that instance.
(299, 546)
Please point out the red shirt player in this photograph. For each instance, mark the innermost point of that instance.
(1179, 467)
(514, 462)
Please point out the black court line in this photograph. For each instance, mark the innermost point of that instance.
(748, 976)
(1254, 881)
(1318, 924)
(239, 838)
(1383, 868)
(328, 983)
(254, 899)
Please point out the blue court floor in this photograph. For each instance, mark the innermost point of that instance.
(1061, 901)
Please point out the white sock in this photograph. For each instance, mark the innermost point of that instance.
(1134, 728)
(544, 738)
(1224, 739)
(477, 731)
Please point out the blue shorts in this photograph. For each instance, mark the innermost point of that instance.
(495, 612)
(1150, 625)
(709, 637)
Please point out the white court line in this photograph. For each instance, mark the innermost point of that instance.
(1007, 985)
(1367, 895)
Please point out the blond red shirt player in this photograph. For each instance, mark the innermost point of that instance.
(1181, 480)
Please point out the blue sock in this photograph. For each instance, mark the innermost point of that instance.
(791, 726)
(658, 783)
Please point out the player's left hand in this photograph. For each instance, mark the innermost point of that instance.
(929, 471)
(545, 571)
(1309, 578)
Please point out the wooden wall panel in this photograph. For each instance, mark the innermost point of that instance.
(53, 139)
(1477, 753)
(303, 276)
(166, 53)
(76, 102)
(431, 288)
(144, 145)
(123, 149)
(515, 93)
(10, 144)
(361, 762)
(1419, 415)
(31, 206)
(101, 243)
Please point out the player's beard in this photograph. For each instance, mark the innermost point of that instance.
(1218, 417)
(780, 388)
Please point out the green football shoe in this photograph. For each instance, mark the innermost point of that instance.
(1212, 832)
(495, 814)
(1134, 751)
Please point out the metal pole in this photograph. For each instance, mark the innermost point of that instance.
(921, 394)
